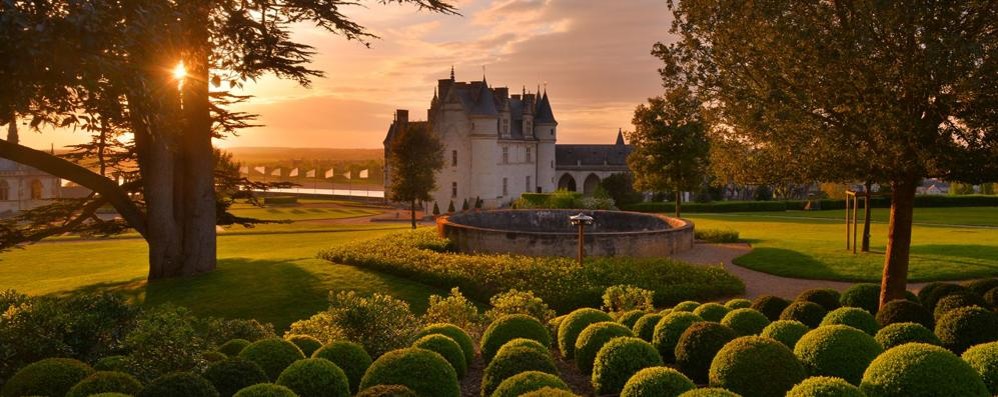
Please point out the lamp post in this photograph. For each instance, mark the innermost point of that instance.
(581, 220)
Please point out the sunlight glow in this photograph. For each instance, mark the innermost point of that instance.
(179, 71)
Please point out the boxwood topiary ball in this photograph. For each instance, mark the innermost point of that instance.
(738, 303)
(967, 326)
(668, 330)
(110, 363)
(306, 343)
(745, 321)
(233, 347)
(826, 297)
(984, 359)
(981, 287)
(809, 313)
(900, 333)
(525, 382)
(106, 382)
(686, 306)
(991, 298)
(665, 312)
(509, 327)
(825, 386)
(787, 332)
(549, 392)
(709, 392)
(657, 382)
(446, 347)
(711, 311)
(629, 318)
(266, 390)
(592, 339)
(350, 357)
(179, 384)
(939, 292)
(644, 328)
(865, 296)
(454, 332)
(272, 355)
(573, 324)
(620, 359)
(853, 317)
(48, 377)
(837, 350)
(524, 342)
(754, 366)
(919, 369)
(923, 293)
(904, 311)
(513, 361)
(956, 301)
(213, 356)
(697, 347)
(425, 372)
(111, 394)
(771, 306)
(315, 377)
(234, 374)
(387, 391)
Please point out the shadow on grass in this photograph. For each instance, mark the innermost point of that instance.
(785, 262)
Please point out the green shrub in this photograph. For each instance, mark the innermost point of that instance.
(809, 313)
(350, 357)
(837, 350)
(232, 375)
(592, 339)
(280, 200)
(213, 356)
(644, 328)
(179, 384)
(110, 363)
(618, 360)
(165, 340)
(379, 322)
(266, 390)
(451, 331)
(745, 321)
(454, 309)
(446, 347)
(272, 355)
(549, 392)
(981, 287)
(754, 366)
(630, 317)
(511, 327)
(770, 306)
(991, 298)
(657, 382)
(697, 347)
(387, 391)
(686, 306)
(222, 330)
(513, 361)
(573, 324)
(825, 386)
(518, 302)
(918, 369)
(711, 311)
(738, 303)
(923, 293)
(48, 377)
(525, 382)
(709, 392)
(904, 311)
(315, 377)
(984, 359)
(716, 236)
(900, 333)
(110, 394)
(826, 297)
(233, 347)
(621, 298)
(307, 344)
(425, 372)
(668, 330)
(865, 296)
(106, 382)
(939, 292)
(787, 332)
(524, 342)
(967, 326)
(853, 317)
(956, 301)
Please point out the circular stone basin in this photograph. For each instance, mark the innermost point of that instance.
(549, 233)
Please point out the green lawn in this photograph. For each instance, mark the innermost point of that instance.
(968, 216)
(295, 213)
(802, 245)
(270, 277)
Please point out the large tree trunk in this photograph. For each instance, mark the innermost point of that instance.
(895, 277)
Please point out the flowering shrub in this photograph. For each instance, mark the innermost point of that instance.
(454, 309)
(622, 298)
(380, 323)
(518, 302)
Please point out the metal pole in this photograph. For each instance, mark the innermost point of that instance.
(847, 221)
(855, 226)
(582, 247)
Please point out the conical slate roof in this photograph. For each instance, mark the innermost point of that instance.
(544, 113)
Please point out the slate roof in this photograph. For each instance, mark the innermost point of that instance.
(612, 156)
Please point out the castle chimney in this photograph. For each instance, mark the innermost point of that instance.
(402, 116)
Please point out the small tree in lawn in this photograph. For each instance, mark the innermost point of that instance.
(464, 205)
(670, 144)
(417, 154)
(450, 207)
(478, 203)
(436, 209)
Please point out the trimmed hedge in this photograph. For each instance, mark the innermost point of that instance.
(315, 377)
(644, 328)
(686, 306)
(991, 298)
(619, 360)
(787, 332)
(697, 347)
(234, 374)
(510, 327)
(865, 296)
(233, 347)
(900, 333)
(213, 356)
(918, 369)
(657, 382)
(110, 363)
(514, 361)
(47, 377)
(967, 326)
(629, 318)
(272, 355)
(306, 343)
(905, 311)
(837, 350)
(711, 311)
(549, 392)
(853, 317)
(939, 292)
(984, 359)
(709, 392)
(350, 357)
(956, 301)
(573, 324)
(425, 372)
(106, 382)
(738, 303)
(981, 287)
(446, 347)
(746, 321)
(809, 313)
(668, 330)
(179, 384)
(825, 386)
(771, 306)
(826, 297)
(921, 201)
(754, 366)
(592, 339)
(454, 332)
(525, 382)
(266, 390)
(524, 342)
(387, 391)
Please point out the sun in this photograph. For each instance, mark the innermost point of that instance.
(179, 71)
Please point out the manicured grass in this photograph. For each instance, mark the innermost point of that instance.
(270, 277)
(805, 247)
(298, 213)
(968, 216)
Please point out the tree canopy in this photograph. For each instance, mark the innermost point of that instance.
(416, 154)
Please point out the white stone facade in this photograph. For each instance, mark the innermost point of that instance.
(23, 187)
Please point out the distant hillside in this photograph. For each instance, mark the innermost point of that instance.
(279, 154)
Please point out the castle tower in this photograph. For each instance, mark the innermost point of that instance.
(546, 132)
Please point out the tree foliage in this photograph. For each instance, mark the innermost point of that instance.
(417, 155)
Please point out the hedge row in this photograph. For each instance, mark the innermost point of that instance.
(824, 204)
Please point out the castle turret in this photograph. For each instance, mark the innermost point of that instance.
(545, 131)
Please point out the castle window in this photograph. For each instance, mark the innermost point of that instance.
(529, 159)
(453, 158)
(505, 154)
(453, 189)
(36, 189)
(528, 188)
(505, 186)
(505, 126)
(4, 190)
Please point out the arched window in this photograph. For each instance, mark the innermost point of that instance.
(566, 183)
(36, 189)
(4, 190)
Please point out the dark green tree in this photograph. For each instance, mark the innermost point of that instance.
(620, 187)
(417, 155)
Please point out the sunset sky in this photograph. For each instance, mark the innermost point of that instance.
(593, 54)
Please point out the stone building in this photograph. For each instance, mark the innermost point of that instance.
(23, 187)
